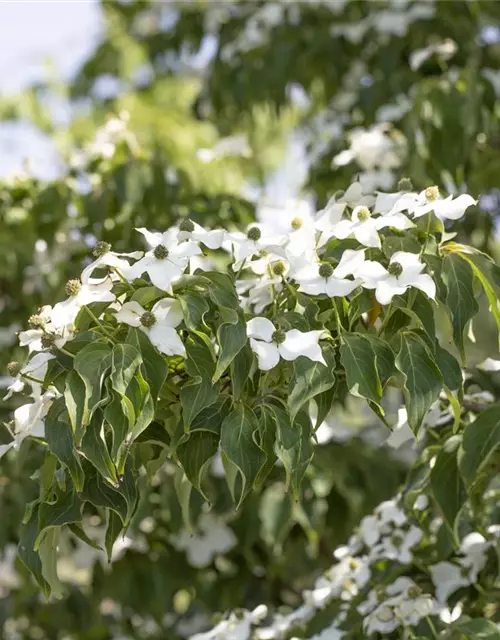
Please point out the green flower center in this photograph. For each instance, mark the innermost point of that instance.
(14, 368)
(186, 225)
(395, 269)
(36, 321)
(254, 233)
(101, 248)
(160, 252)
(73, 287)
(47, 340)
(364, 214)
(405, 184)
(325, 270)
(414, 592)
(148, 319)
(297, 223)
(397, 540)
(279, 336)
(279, 268)
(432, 193)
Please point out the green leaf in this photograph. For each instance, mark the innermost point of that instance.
(99, 493)
(423, 382)
(199, 392)
(480, 441)
(266, 441)
(74, 396)
(460, 298)
(146, 295)
(120, 415)
(324, 402)
(59, 437)
(194, 307)
(47, 550)
(154, 366)
(113, 530)
(211, 418)
(447, 485)
(221, 290)
(309, 380)
(385, 358)
(232, 338)
(139, 395)
(360, 364)
(183, 490)
(77, 530)
(240, 370)
(488, 274)
(195, 455)
(66, 510)
(27, 553)
(238, 443)
(449, 367)
(479, 629)
(91, 363)
(126, 359)
(408, 243)
(293, 446)
(95, 449)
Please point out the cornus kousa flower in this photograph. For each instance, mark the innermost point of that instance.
(158, 324)
(36, 369)
(418, 204)
(256, 240)
(404, 271)
(104, 257)
(214, 537)
(322, 278)
(44, 333)
(166, 261)
(364, 227)
(189, 230)
(81, 294)
(270, 344)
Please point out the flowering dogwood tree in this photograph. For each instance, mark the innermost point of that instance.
(166, 355)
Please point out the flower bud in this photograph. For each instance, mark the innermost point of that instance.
(186, 225)
(279, 336)
(254, 233)
(325, 270)
(364, 214)
(160, 252)
(405, 184)
(101, 248)
(14, 368)
(297, 223)
(73, 287)
(148, 319)
(36, 321)
(395, 269)
(279, 268)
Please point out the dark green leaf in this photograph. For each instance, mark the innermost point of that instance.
(91, 363)
(154, 365)
(232, 338)
(240, 370)
(309, 380)
(113, 530)
(480, 441)
(423, 382)
(27, 553)
(126, 359)
(195, 455)
(460, 298)
(447, 486)
(293, 446)
(479, 629)
(95, 449)
(360, 366)
(66, 510)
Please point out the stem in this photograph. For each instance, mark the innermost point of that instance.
(386, 319)
(62, 350)
(340, 328)
(431, 626)
(99, 323)
(422, 251)
(122, 278)
(31, 379)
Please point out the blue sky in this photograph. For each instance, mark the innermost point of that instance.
(33, 32)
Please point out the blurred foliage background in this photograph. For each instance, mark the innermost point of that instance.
(219, 110)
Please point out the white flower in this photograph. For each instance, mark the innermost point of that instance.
(489, 365)
(398, 545)
(364, 227)
(158, 324)
(166, 261)
(294, 222)
(269, 343)
(474, 548)
(213, 538)
(109, 259)
(190, 230)
(418, 204)
(317, 279)
(255, 241)
(29, 419)
(64, 313)
(371, 148)
(447, 578)
(260, 292)
(443, 50)
(330, 633)
(387, 514)
(402, 433)
(236, 627)
(36, 368)
(405, 271)
(421, 503)
(231, 146)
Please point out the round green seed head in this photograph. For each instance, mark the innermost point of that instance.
(48, 340)
(297, 223)
(432, 193)
(405, 184)
(186, 225)
(279, 336)
(279, 268)
(160, 252)
(14, 368)
(325, 270)
(395, 269)
(101, 248)
(73, 287)
(414, 592)
(254, 233)
(148, 319)
(36, 321)
(364, 214)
